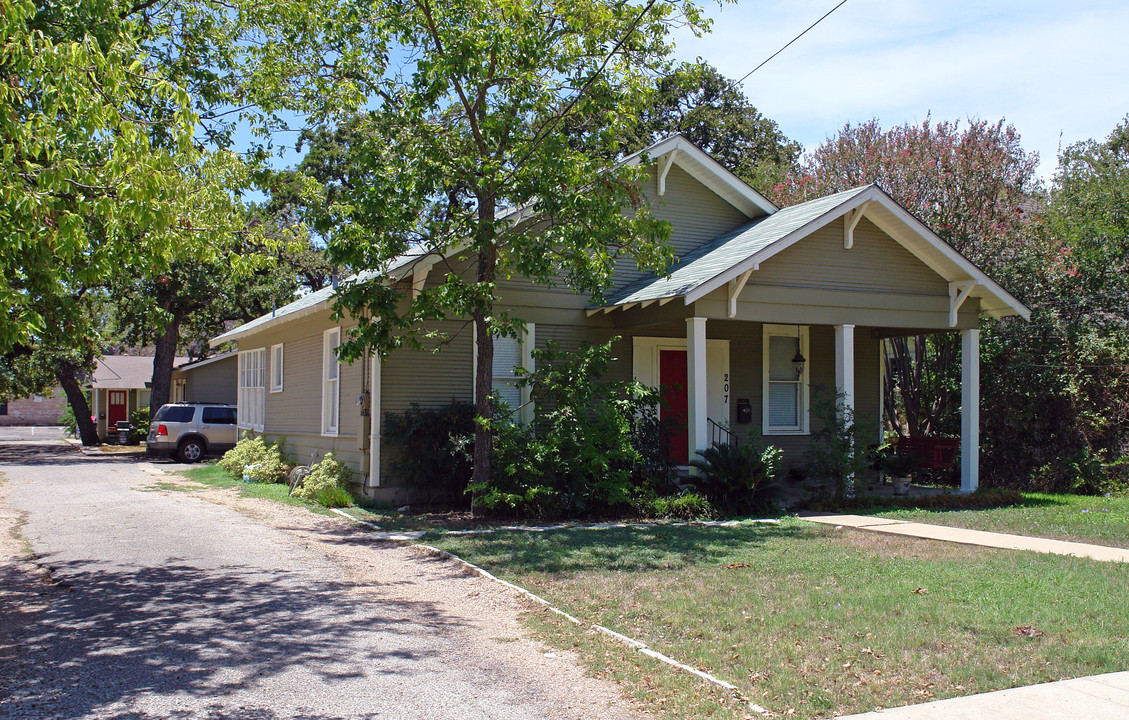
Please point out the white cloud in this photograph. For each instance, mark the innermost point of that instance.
(1048, 67)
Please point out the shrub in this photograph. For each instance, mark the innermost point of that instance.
(687, 505)
(430, 455)
(333, 497)
(738, 478)
(266, 461)
(589, 448)
(139, 420)
(324, 477)
(838, 449)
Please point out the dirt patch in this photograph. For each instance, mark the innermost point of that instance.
(489, 616)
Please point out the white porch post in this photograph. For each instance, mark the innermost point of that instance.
(374, 424)
(969, 410)
(845, 377)
(845, 364)
(696, 408)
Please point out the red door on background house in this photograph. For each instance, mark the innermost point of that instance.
(672, 378)
(117, 409)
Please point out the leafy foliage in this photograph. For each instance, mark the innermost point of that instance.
(262, 461)
(688, 505)
(583, 454)
(713, 112)
(324, 479)
(738, 479)
(838, 448)
(429, 454)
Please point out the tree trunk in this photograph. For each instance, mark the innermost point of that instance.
(67, 375)
(484, 375)
(163, 360)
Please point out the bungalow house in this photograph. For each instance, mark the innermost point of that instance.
(120, 385)
(763, 305)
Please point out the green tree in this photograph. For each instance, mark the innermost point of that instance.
(713, 112)
(1061, 378)
(467, 159)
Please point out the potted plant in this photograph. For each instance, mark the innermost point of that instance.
(899, 467)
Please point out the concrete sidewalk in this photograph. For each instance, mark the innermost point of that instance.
(1100, 697)
(971, 537)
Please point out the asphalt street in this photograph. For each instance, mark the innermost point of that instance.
(157, 604)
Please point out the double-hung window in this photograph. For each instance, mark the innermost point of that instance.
(785, 389)
(510, 354)
(330, 382)
(252, 389)
(276, 368)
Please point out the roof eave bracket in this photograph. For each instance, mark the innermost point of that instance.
(851, 221)
(958, 293)
(736, 285)
(666, 169)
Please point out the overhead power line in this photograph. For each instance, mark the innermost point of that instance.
(758, 67)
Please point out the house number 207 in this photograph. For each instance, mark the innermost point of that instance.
(725, 388)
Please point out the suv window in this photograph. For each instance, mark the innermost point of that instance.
(176, 413)
(219, 415)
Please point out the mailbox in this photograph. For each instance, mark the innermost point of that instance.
(744, 411)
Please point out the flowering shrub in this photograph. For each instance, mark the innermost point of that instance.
(265, 462)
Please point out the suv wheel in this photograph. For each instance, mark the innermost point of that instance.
(190, 451)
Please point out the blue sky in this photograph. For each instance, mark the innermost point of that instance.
(1048, 67)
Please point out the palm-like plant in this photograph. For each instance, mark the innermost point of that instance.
(738, 478)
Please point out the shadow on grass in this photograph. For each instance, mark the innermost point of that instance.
(632, 549)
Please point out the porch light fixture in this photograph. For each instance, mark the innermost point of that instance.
(798, 364)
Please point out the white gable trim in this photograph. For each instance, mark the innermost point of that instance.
(914, 236)
(708, 172)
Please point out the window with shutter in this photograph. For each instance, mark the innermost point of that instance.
(785, 391)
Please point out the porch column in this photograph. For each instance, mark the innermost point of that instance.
(696, 408)
(969, 410)
(845, 364)
(374, 424)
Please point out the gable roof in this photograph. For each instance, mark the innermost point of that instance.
(744, 248)
(703, 168)
(125, 372)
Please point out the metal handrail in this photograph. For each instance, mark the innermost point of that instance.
(721, 435)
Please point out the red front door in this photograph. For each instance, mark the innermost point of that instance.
(672, 378)
(117, 410)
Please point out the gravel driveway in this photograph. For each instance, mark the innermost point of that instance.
(141, 601)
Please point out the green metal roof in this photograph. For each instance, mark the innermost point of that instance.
(735, 246)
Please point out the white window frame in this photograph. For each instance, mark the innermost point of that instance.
(526, 344)
(251, 398)
(330, 382)
(792, 331)
(276, 368)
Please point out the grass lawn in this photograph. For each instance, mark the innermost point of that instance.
(1082, 518)
(812, 621)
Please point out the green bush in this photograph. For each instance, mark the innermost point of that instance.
(738, 479)
(324, 477)
(838, 447)
(687, 505)
(429, 454)
(333, 497)
(139, 420)
(269, 460)
(589, 448)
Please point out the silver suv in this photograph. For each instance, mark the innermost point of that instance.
(189, 430)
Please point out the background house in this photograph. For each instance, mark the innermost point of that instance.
(119, 386)
(763, 307)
